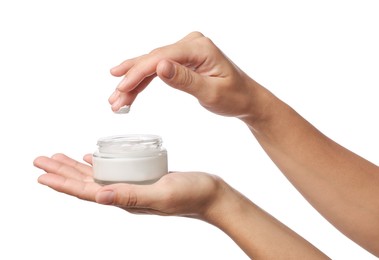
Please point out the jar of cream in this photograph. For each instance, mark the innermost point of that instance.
(138, 159)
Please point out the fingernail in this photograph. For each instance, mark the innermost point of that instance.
(116, 104)
(105, 197)
(169, 71)
(121, 85)
(114, 96)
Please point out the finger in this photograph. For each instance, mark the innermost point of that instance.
(130, 196)
(181, 77)
(191, 36)
(114, 96)
(88, 158)
(53, 166)
(86, 169)
(137, 74)
(79, 189)
(127, 98)
(122, 68)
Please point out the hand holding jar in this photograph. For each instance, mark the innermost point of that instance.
(190, 193)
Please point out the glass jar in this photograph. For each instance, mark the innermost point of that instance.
(138, 159)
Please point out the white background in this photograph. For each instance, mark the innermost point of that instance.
(321, 57)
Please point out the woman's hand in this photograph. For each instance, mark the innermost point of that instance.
(194, 65)
(189, 194)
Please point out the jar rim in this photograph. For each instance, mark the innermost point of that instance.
(130, 139)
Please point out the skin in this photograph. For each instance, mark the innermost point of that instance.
(342, 186)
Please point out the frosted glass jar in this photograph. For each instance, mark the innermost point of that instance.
(138, 159)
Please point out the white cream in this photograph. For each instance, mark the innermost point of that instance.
(123, 110)
(139, 159)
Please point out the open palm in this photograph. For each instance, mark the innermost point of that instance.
(177, 193)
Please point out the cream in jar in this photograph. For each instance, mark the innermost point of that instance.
(138, 159)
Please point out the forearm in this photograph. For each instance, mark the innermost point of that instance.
(256, 232)
(338, 183)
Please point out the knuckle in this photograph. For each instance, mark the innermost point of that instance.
(196, 34)
(205, 42)
(132, 200)
(156, 51)
(57, 156)
(129, 200)
(185, 79)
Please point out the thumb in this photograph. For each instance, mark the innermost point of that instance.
(126, 195)
(180, 77)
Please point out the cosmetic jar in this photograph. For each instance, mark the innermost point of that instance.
(136, 158)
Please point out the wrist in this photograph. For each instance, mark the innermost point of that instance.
(226, 201)
(259, 105)
(266, 114)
